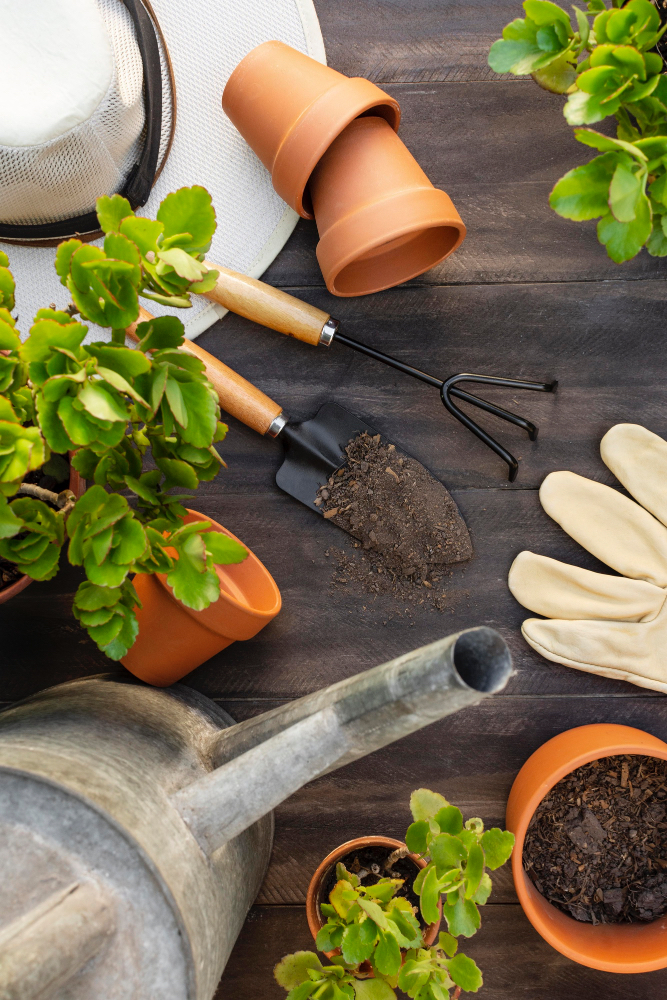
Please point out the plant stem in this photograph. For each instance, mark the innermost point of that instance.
(118, 336)
(63, 501)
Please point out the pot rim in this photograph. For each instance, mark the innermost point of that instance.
(599, 946)
(313, 915)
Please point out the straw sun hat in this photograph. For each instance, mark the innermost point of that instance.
(101, 96)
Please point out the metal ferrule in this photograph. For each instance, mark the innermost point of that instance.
(329, 331)
(277, 424)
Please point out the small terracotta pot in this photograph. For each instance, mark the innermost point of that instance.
(173, 639)
(609, 947)
(78, 487)
(318, 882)
(289, 108)
(380, 220)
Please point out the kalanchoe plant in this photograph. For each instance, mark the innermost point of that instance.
(110, 405)
(375, 932)
(605, 67)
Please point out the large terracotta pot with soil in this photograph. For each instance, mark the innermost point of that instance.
(380, 220)
(370, 853)
(11, 582)
(173, 639)
(289, 108)
(611, 947)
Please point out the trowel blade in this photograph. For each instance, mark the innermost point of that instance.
(315, 449)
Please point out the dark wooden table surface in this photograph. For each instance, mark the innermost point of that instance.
(527, 295)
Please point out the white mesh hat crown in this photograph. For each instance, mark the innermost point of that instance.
(75, 132)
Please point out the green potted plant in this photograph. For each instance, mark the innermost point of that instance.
(381, 932)
(110, 406)
(606, 65)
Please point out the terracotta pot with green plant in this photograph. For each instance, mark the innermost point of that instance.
(608, 66)
(112, 407)
(379, 928)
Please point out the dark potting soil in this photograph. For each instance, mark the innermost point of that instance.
(369, 865)
(597, 845)
(54, 475)
(408, 528)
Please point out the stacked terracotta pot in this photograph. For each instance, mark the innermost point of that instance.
(331, 146)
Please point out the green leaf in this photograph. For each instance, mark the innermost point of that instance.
(358, 942)
(447, 943)
(430, 897)
(374, 912)
(101, 404)
(518, 57)
(329, 936)
(586, 109)
(447, 851)
(189, 210)
(46, 334)
(183, 264)
(624, 240)
(293, 969)
(544, 12)
(424, 804)
(202, 408)
(111, 211)
(161, 332)
(449, 819)
(51, 425)
(483, 890)
(175, 400)
(558, 77)
(10, 524)
(373, 989)
(9, 338)
(124, 640)
(190, 580)
(64, 255)
(657, 241)
(178, 473)
(462, 917)
(624, 193)
(129, 540)
(465, 973)
(583, 193)
(145, 233)
(416, 837)
(589, 137)
(474, 870)
(387, 955)
(497, 845)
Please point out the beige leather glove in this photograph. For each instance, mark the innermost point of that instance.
(615, 626)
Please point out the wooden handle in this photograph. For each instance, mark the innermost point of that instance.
(237, 396)
(267, 305)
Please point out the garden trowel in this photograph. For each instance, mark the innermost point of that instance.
(314, 448)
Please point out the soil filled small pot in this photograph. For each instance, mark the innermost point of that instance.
(610, 947)
(173, 639)
(366, 848)
(78, 488)
(379, 218)
(289, 108)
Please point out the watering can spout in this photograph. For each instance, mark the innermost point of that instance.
(264, 760)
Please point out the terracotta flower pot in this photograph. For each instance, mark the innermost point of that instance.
(173, 639)
(289, 108)
(318, 882)
(78, 487)
(609, 947)
(380, 220)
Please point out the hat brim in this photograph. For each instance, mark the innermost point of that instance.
(206, 40)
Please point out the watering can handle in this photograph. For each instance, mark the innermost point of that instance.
(237, 396)
(270, 307)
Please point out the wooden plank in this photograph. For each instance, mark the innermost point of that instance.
(472, 758)
(408, 41)
(497, 149)
(514, 959)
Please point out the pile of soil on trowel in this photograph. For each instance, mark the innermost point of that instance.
(409, 530)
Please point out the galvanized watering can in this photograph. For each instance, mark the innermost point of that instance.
(136, 826)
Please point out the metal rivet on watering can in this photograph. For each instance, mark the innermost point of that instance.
(136, 823)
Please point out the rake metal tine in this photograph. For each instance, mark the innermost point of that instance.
(497, 411)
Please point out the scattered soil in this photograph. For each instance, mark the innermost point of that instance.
(409, 531)
(52, 476)
(597, 845)
(368, 864)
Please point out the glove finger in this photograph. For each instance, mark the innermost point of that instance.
(617, 650)
(613, 528)
(557, 590)
(638, 459)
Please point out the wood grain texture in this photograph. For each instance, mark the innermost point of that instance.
(497, 149)
(266, 305)
(515, 961)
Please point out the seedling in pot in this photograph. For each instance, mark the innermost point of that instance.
(370, 931)
(111, 405)
(607, 66)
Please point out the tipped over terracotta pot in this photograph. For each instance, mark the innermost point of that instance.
(380, 220)
(289, 108)
(173, 639)
(318, 883)
(609, 947)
